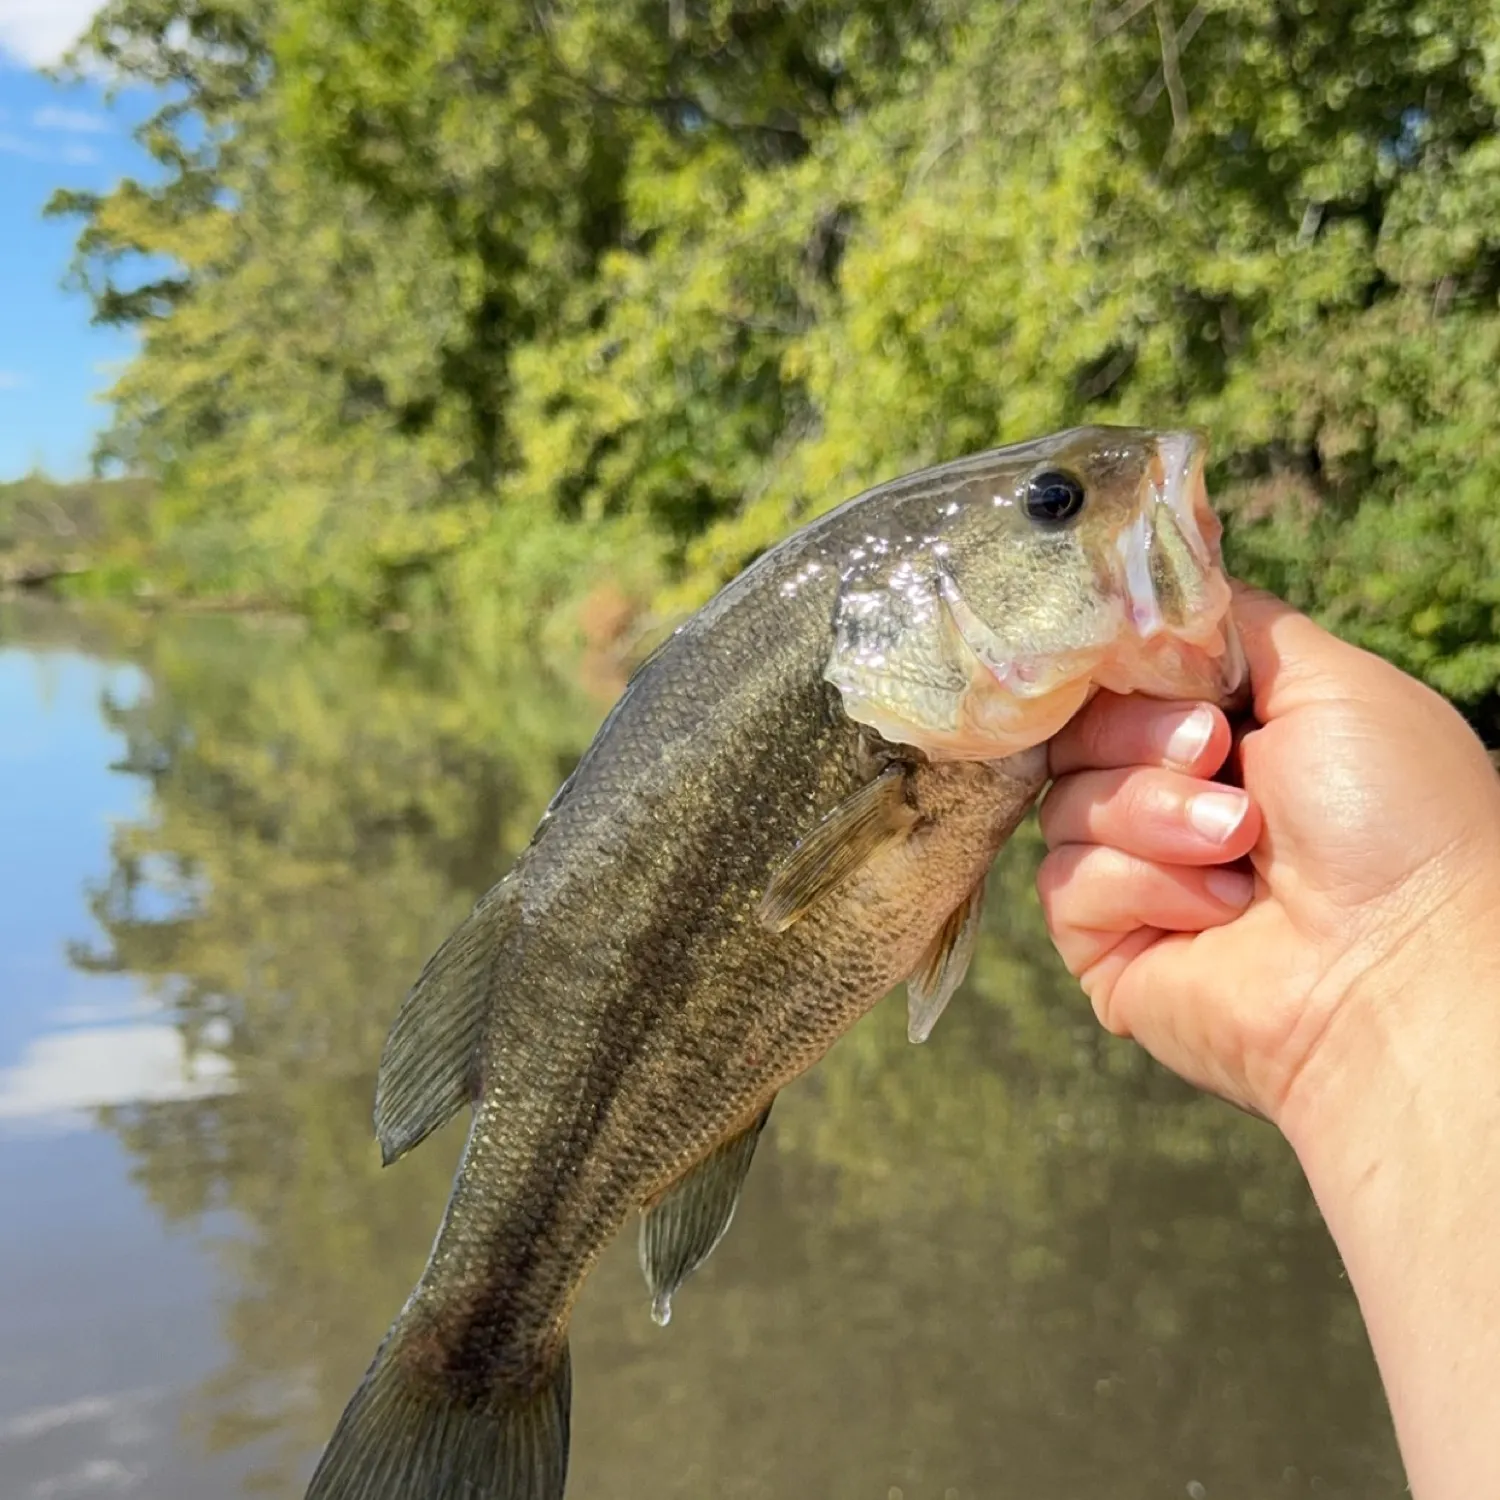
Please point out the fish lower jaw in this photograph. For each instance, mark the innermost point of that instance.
(1210, 667)
(985, 723)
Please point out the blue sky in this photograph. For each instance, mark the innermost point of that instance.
(53, 365)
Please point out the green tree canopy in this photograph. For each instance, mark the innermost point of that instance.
(470, 303)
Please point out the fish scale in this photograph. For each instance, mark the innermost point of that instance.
(792, 809)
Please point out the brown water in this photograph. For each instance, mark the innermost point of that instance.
(1016, 1262)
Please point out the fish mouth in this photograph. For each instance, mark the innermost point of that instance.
(1176, 596)
(1177, 477)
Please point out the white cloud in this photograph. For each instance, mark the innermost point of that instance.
(44, 1419)
(15, 145)
(96, 1476)
(13, 380)
(106, 1012)
(36, 33)
(66, 1073)
(12, 144)
(119, 1414)
(75, 121)
(117, 1423)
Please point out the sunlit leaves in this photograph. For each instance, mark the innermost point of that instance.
(455, 284)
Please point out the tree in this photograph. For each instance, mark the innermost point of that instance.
(475, 302)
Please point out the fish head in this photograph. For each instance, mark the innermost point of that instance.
(992, 597)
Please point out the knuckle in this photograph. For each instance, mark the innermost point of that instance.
(1056, 880)
(1100, 989)
(1098, 730)
(1085, 740)
(1053, 809)
(1050, 878)
(1132, 797)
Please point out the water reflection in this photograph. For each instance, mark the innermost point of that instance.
(1016, 1262)
(86, 1067)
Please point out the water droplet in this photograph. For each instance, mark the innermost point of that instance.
(661, 1309)
(1195, 1490)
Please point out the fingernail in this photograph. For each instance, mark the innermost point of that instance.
(1232, 887)
(1215, 815)
(1189, 736)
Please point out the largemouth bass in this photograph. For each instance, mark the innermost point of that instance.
(791, 810)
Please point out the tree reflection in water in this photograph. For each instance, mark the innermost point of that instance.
(1019, 1261)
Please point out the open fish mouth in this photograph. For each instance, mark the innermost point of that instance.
(1183, 641)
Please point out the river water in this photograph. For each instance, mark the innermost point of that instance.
(1017, 1262)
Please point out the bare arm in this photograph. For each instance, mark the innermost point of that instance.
(1324, 949)
(1398, 1130)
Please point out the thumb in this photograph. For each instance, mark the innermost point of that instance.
(1293, 660)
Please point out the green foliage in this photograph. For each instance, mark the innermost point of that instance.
(476, 301)
(49, 529)
(1008, 1262)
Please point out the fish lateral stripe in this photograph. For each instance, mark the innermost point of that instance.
(763, 839)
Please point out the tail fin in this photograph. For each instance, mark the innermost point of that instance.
(404, 1437)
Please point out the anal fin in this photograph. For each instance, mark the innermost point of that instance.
(428, 1066)
(863, 824)
(680, 1230)
(943, 966)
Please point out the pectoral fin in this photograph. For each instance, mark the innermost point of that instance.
(943, 967)
(680, 1230)
(876, 816)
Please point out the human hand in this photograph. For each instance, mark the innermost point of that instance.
(1343, 979)
(1371, 822)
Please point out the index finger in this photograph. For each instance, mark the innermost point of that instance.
(1112, 732)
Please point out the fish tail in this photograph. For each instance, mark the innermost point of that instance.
(411, 1434)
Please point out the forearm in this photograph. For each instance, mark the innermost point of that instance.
(1398, 1129)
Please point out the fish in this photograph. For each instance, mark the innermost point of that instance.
(791, 810)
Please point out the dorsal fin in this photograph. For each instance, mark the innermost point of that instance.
(680, 1230)
(429, 1066)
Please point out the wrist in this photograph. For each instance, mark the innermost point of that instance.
(1410, 1058)
(1396, 1121)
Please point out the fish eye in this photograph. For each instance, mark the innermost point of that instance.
(1054, 497)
